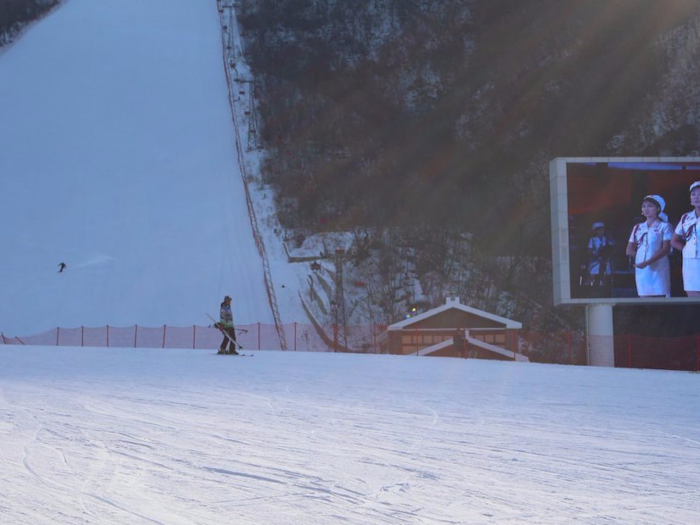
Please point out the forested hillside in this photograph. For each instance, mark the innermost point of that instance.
(16, 14)
(434, 120)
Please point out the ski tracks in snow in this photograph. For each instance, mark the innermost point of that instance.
(147, 457)
(286, 439)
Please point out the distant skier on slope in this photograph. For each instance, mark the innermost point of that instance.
(228, 345)
(61, 267)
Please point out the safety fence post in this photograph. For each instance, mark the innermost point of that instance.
(82, 336)
(165, 328)
(295, 336)
(568, 343)
(259, 337)
(136, 334)
(194, 336)
(58, 330)
(374, 338)
(107, 336)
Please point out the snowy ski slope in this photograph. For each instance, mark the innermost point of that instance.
(115, 436)
(117, 157)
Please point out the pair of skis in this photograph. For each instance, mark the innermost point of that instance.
(233, 342)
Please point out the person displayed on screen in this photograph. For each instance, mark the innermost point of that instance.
(685, 239)
(600, 252)
(650, 244)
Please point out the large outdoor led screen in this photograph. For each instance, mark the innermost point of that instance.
(613, 219)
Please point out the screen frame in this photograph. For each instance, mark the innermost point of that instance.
(559, 206)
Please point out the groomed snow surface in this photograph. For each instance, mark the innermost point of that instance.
(115, 436)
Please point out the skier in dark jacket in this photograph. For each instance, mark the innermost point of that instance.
(228, 346)
(62, 267)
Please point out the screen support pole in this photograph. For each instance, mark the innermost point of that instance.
(599, 335)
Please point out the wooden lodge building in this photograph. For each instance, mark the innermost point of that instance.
(487, 336)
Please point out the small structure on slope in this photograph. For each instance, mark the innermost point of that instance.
(486, 336)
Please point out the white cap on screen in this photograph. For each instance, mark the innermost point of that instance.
(659, 199)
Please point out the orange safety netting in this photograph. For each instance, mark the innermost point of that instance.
(566, 347)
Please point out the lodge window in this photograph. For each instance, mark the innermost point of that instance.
(416, 339)
(494, 339)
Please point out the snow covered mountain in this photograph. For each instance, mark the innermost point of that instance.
(119, 158)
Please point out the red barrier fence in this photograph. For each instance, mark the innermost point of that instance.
(672, 353)
(300, 337)
(631, 351)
